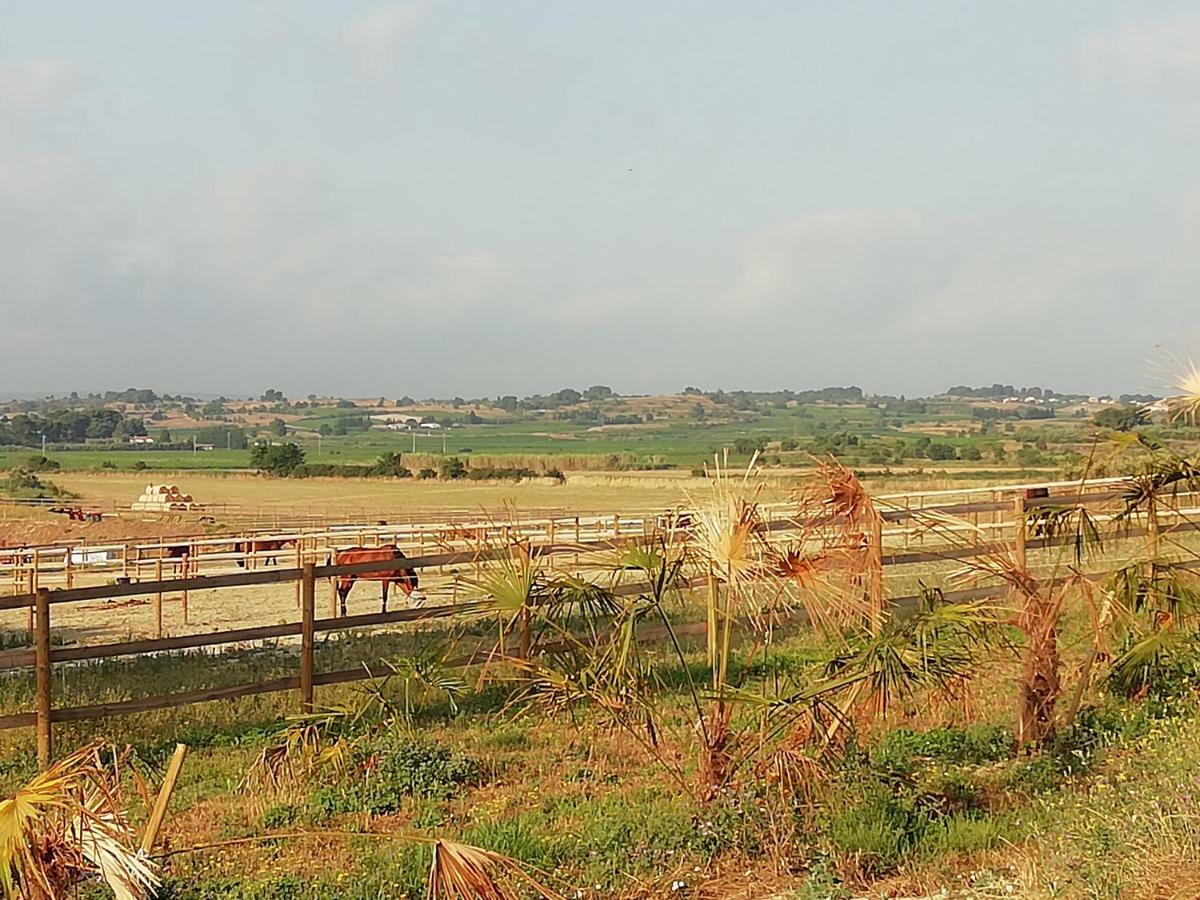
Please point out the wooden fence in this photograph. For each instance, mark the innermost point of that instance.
(44, 655)
(24, 569)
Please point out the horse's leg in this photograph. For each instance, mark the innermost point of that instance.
(385, 590)
(344, 587)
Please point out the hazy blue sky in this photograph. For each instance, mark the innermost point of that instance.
(500, 197)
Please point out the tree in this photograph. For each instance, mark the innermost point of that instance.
(598, 392)
(272, 396)
(942, 452)
(971, 452)
(278, 427)
(1121, 418)
(164, 436)
(278, 459)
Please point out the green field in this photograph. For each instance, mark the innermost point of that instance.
(865, 436)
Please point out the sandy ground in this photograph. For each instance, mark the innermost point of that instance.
(132, 618)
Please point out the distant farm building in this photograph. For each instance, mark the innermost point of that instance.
(141, 439)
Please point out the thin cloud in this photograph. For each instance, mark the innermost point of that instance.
(31, 82)
(374, 39)
(1146, 50)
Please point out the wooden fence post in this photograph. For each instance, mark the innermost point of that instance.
(1152, 545)
(308, 615)
(45, 679)
(299, 565)
(164, 797)
(1019, 531)
(876, 562)
(186, 574)
(158, 573)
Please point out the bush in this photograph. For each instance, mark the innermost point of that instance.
(903, 751)
(23, 485)
(278, 459)
(40, 464)
(453, 469)
(426, 474)
(1121, 418)
(878, 831)
(941, 452)
(391, 768)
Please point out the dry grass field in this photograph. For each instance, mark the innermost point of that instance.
(583, 492)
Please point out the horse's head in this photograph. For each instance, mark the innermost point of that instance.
(410, 584)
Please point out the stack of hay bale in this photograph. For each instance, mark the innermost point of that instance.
(164, 498)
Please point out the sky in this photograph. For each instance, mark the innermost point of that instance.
(481, 198)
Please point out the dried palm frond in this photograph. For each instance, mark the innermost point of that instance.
(826, 582)
(725, 526)
(68, 824)
(1186, 406)
(463, 872)
(837, 491)
(1076, 524)
(307, 744)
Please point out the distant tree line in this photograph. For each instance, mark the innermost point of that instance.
(68, 427)
(1001, 391)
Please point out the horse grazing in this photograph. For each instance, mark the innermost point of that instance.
(245, 547)
(405, 579)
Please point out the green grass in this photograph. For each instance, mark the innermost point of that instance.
(675, 442)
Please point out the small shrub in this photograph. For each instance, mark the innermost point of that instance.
(279, 816)
(507, 738)
(903, 751)
(40, 464)
(966, 834)
(878, 832)
(520, 837)
(389, 769)
(453, 469)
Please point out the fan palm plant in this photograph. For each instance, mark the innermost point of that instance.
(1185, 406)
(68, 824)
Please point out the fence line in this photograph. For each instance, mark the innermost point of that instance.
(43, 656)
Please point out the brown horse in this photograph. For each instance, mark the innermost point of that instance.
(405, 579)
(245, 547)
